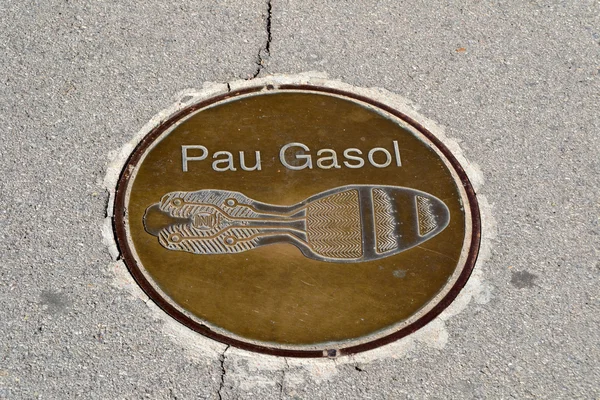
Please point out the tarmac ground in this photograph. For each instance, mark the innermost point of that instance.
(515, 84)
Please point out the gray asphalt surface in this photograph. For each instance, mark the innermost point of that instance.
(516, 83)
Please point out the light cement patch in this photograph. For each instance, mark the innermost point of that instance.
(247, 369)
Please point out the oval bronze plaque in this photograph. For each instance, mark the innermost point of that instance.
(297, 221)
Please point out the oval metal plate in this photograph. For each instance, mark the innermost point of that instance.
(297, 221)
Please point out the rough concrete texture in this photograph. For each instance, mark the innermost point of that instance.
(516, 83)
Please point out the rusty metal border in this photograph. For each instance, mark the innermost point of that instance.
(127, 256)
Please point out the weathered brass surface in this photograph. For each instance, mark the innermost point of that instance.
(276, 292)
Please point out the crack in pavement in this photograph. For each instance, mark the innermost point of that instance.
(265, 51)
(223, 372)
(282, 384)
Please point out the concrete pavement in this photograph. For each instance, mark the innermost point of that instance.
(517, 85)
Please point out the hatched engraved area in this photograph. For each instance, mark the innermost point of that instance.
(185, 204)
(184, 237)
(217, 222)
(385, 222)
(427, 222)
(334, 227)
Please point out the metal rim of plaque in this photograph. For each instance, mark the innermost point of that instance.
(214, 221)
